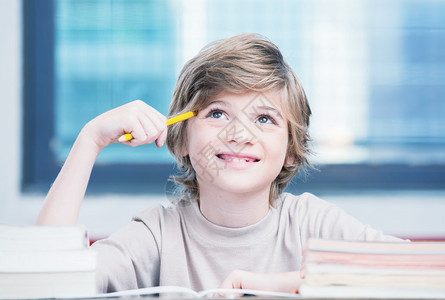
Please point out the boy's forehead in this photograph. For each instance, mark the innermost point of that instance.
(251, 100)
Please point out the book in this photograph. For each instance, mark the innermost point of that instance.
(359, 292)
(352, 269)
(402, 247)
(42, 238)
(183, 292)
(46, 262)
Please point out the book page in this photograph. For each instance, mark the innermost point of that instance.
(183, 292)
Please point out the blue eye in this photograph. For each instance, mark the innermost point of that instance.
(266, 119)
(215, 114)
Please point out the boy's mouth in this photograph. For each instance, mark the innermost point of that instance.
(240, 158)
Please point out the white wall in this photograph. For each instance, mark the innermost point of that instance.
(10, 98)
(408, 214)
(101, 214)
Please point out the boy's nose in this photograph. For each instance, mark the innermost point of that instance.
(238, 131)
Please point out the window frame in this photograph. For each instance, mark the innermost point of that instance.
(40, 167)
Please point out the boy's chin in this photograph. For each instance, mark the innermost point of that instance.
(240, 185)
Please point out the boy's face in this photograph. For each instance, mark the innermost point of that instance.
(238, 143)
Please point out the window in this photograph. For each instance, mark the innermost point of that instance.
(95, 56)
(373, 72)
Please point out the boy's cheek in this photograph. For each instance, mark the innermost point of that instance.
(212, 123)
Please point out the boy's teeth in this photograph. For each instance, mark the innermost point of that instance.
(229, 158)
(237, 159)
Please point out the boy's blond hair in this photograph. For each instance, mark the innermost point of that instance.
(243, 63)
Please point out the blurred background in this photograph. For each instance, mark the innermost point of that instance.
(374, 73)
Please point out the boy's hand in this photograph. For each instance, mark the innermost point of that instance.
(63, 201)
(145, 124)
(287, 282)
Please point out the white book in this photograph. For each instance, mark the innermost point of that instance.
(42, 238)
(366, 280)
(328, 268)
(394, 270)
(47, 285)
(171, 292)
(184, 293)
(358, 292)
(46, 262)
(343, 246)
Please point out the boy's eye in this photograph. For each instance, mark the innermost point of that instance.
(216, 114)
(266, 119)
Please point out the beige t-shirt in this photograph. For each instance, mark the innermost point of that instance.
(178, 246)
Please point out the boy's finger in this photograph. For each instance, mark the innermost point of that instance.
(160, 121)
(157, 118)
(150, 129)
(162, 138)
(138, 133)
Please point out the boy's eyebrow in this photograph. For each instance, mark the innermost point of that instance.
(265, 107)
(225, 103)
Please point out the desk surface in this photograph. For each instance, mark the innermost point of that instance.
(261, 297)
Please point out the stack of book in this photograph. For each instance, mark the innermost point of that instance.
(346, 269)
(46, 262)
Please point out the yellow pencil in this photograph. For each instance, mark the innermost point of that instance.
(181, 117)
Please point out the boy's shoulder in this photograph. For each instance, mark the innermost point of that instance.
(157, 212)
(303, 203)
(301, 199)
(161, 215)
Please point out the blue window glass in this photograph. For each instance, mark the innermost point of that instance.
(374, 73)
(108, 53)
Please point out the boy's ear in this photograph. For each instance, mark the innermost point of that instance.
(290, 160)
(184, 151)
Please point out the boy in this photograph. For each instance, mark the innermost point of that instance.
(232, 226)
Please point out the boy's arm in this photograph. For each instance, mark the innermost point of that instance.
(62, 204)
(147, 125)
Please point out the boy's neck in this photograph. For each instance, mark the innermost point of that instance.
(234, 210)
